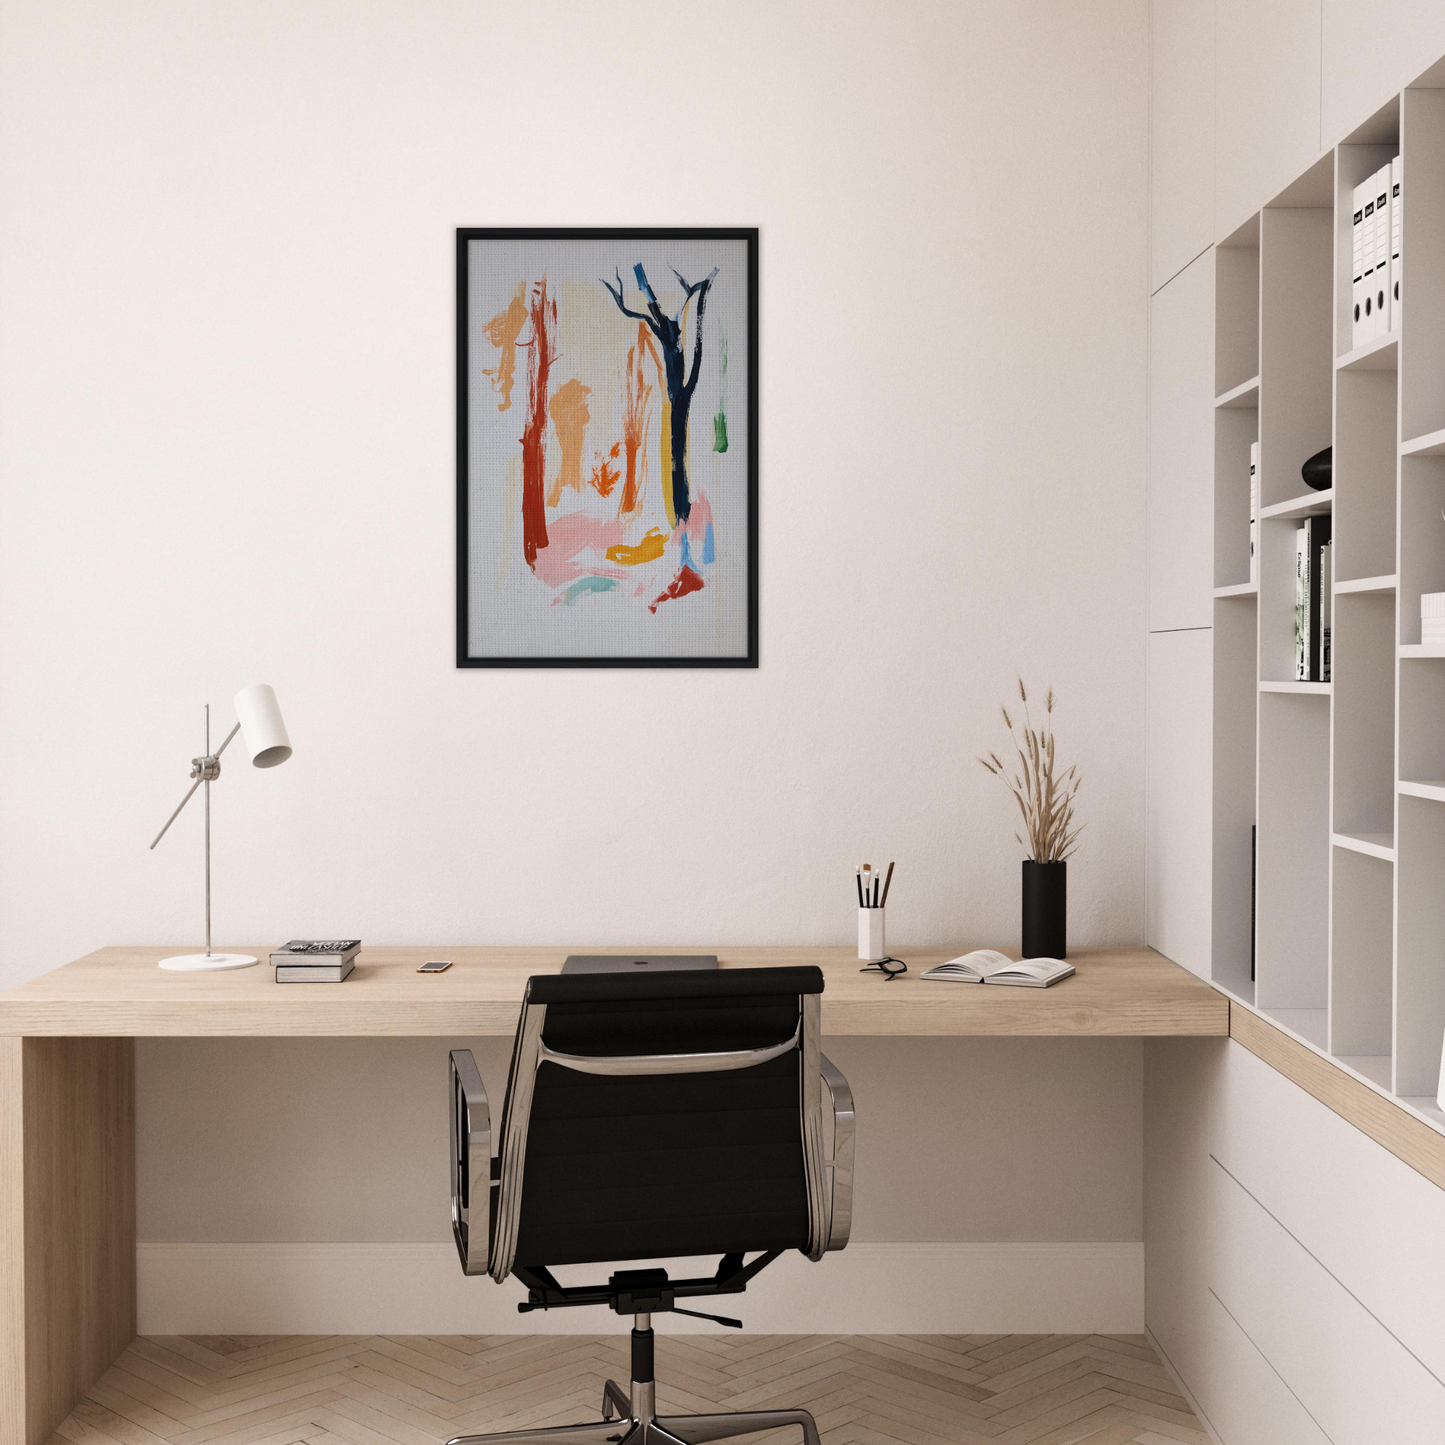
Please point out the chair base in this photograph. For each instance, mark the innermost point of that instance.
(641, 1427)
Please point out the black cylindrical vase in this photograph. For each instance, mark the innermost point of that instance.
(1046, 909)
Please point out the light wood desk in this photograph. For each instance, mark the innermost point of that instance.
(67, 1090)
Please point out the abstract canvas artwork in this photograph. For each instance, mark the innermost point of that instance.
(607, 478)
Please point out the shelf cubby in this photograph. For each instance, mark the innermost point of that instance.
(1364, 703)
(1422, 721)
(1365, 459)
(1296, 367)
(1294, 852)
(1422, 253)
(1422, 537)
(1362, 902)
(1420, 962)
(1235, 429)
(1236, 706)
(1236, 311)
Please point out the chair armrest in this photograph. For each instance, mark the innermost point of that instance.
(840, 1166)
(471, 1129)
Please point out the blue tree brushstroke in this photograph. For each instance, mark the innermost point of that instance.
(668, 330)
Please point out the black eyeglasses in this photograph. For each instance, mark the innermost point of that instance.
(890, 968)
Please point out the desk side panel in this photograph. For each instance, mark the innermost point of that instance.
(12, 1245)
(77, 1152)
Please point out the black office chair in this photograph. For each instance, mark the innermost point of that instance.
(649, 1117)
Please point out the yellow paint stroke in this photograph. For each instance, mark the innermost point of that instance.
(636, 414)
(665, 465)
(649, 549)
(503, 330)
(568, 410)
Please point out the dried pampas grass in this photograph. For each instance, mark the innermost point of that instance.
(1046, 801)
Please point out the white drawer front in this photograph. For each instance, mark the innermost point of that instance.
(1371, 1220)
(1359, 1383)
(1245, 1400)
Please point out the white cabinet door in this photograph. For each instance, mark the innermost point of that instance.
(1181, 450)
(1178, 901)
(1266, 102)
(1181, 134)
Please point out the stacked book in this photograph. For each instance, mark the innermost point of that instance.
(1312, 600)
(315, 960)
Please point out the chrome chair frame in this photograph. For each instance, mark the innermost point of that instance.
(485, 1227)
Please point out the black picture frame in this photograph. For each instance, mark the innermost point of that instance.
(464, 237)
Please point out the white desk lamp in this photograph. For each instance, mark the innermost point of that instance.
(258, 720)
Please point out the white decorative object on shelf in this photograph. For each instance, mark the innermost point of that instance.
(1432, 617)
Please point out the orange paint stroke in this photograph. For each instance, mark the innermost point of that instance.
(636, 413)
(503, 330)
(540, 350)
(604, 476)
(686, 581)
(568, 410)
(649, 549)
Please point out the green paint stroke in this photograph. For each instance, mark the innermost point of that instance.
(720, 421)
(588, 585)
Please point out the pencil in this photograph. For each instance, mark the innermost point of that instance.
(887, 883)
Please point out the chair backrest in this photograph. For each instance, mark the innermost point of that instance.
(662, 1115)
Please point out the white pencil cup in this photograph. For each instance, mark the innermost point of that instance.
(871, 946)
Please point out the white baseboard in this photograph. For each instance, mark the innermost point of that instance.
(312, 1289)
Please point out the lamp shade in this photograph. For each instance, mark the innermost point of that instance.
(262, 730)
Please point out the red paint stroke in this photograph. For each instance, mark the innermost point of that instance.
(605, 477)
(686, 581)
(574, 533)
(541, 350)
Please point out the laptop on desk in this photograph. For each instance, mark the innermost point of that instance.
(637, 962)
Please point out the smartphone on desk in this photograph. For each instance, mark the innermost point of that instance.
(435, 965)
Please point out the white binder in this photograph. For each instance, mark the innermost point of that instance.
(1382, 251)
(1254, 513)
(1396, 225)
(1357, 268)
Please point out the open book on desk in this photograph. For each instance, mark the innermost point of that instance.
(987, 965)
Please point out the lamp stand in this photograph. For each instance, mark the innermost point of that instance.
(205, 770)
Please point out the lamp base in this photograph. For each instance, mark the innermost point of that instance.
(206, 962)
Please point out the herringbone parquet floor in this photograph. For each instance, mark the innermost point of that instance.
(419, 1390)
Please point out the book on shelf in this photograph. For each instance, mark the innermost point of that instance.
(1301, 606)
(1310, 610)
(1254, 513)
(1326, 606)
(314, 972)
(988, 965)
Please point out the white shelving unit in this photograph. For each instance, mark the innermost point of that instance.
(1344, 781)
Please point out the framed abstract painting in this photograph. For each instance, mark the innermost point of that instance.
(607, 448)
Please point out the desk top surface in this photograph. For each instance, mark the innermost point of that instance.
(1122, 992)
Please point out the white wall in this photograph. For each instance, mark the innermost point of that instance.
(226, 369)
(227, 332)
